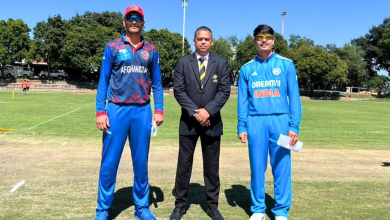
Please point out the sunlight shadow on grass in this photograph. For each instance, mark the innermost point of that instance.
(239, 195)
(123, 199)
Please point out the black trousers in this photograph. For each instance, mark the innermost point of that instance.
(210, 151)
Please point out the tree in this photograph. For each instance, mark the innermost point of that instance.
(233, 40)
(376, 53)
(169, 46)
(297, 41)
(384, 44)
(14, 41)
(245, 51)
(111, 20)
(49, 38)
(234, 66)
(281, 45)
(223, 48)
(316, 66)
(353, 57)
(378, 82)
(84, 47)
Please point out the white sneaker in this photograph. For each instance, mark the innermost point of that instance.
(280, 218)
(257, 216)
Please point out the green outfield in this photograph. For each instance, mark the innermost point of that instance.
(342, 172)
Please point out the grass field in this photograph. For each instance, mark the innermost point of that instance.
(342, 172)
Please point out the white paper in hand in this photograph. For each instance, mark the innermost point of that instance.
(154, 128)
(284, 141)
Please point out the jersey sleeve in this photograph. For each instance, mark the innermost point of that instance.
(158, 95)
(242, 105)
(105, 74)
(295, 107)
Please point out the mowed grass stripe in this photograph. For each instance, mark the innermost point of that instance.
(341, 172)
(325, 124)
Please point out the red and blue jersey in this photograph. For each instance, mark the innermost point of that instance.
(268, 87)
(128, 74)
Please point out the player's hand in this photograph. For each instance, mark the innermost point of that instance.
(102, 122)
(202, 115)
(158, 118)
(206, 123)
(243, 137)
(294, 138)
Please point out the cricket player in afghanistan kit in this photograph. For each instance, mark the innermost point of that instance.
(130, 69)
(268, 105)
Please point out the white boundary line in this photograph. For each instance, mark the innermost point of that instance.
(17, 186)
(50, 120)
(43, 122)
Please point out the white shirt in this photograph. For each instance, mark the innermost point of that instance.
(205, 61)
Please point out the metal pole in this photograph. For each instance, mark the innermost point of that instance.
(184, 4)
(283, 14)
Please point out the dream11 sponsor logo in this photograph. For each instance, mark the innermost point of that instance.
(266, 93)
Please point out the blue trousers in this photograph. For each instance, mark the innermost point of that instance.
(133, 122)
(263, 133)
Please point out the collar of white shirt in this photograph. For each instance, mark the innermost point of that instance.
(199, 56)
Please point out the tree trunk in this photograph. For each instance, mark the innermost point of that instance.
(311, 87)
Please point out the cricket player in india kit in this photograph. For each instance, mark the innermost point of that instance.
(130, 69)
(268, 105)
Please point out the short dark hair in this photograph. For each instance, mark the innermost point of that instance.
(203, 28)
(263, 29)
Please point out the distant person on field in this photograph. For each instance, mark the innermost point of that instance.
(24, 86)
(130, 69)
(28, 86)
(268, 105)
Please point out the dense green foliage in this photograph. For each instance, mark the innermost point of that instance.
(341, 168)
(352, 55)
(384, 44)
(111, 20)
(364, 121)
(245, 50)
(84, 47)
(170, 48)
(376, 46)
(317, 66)
(77, 45)
(223, 48)
(14, 41)
(49, 39)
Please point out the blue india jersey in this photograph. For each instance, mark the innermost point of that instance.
(268, 87)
